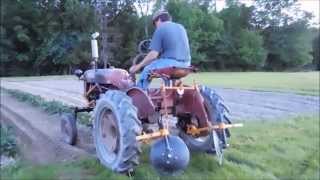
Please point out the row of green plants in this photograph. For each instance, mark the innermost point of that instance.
(8, 144)
(50, 107)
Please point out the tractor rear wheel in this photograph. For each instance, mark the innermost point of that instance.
(217, 112)
(114, 131)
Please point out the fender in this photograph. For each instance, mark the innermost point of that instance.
(143, 103)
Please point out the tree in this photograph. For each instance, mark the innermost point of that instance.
(232, 3)
(316, 51)
(286, 35)
(288, 46)
(239, 48)
(144, 13)
(18, 34)
(124, 47)
(107, 12)
(203, 28)
(53, 37)
(273, 13)
(44, 36)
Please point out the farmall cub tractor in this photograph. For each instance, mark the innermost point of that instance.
(124, 113)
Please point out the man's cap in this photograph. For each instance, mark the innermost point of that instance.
(159, 13)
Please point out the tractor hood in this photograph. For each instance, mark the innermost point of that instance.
(112, 76)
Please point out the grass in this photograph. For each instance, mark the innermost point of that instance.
(287, 149)
(296, 82)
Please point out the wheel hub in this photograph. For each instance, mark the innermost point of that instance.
(109, 132)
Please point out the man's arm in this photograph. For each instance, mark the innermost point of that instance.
(152, 55)
(155, 47)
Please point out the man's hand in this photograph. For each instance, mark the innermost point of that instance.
(152, 55)
(135, 68)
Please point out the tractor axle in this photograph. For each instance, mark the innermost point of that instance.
(157, 134)
(191, 129)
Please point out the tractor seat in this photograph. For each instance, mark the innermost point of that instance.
(172, 73)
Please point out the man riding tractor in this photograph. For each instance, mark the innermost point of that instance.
(122, 112)
(169, 48)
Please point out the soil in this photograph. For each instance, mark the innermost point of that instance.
(264, 105)
(38, 134)
(243, 104)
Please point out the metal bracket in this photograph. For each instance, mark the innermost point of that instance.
(157, 134)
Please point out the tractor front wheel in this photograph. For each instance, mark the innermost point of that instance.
(68, 127)
(114, 130)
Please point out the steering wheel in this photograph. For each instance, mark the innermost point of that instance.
(143, 49)
(143, 46)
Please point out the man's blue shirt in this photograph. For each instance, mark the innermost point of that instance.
(171, 41)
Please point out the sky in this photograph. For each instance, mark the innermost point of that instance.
(307, 5)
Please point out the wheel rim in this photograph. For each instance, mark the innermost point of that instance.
(201, 139)
(108, 135)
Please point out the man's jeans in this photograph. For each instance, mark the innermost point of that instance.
(158, 64)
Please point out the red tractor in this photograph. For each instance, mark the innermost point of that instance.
(123, 113)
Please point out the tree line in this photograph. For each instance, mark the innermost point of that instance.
(40, 37)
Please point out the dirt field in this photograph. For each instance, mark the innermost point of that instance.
(38, 134)
(244, 104)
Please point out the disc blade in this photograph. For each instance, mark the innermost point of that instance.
(217, 147)
(169, 156)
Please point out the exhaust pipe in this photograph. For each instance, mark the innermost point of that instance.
(94, 49)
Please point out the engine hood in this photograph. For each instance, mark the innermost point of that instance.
(111, 76)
